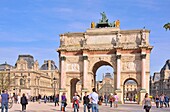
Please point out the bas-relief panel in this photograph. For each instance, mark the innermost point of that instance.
(131, 66)
(95, 59)
(102, 39)
(73, 40)
(131, 63)
(74, 64)
(73, 67)
(131, 39)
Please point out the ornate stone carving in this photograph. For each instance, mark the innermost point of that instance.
(62, 40)
(143, 37)
(85, 57)
(73, 67)
(128, 66)
(143, 56)
(118, 56)
(63, 58)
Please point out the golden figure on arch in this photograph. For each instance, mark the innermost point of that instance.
(93, 25)
(117, 23)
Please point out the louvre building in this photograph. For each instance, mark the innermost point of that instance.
(160, 81)
(26, 76)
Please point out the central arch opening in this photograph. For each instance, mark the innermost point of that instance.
(103, 78)
(130, 91)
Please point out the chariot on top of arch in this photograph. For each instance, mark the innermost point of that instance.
(104, 22)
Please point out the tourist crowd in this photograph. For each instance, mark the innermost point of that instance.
(90, 102)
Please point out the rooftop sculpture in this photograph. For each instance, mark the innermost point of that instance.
(104, 22)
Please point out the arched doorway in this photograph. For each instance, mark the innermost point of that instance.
(130, 91)
(73, 87)
(103, 77)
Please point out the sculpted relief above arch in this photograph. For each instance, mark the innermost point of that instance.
(109, 59)
(131, 63)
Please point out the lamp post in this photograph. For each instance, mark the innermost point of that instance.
(54, 82)
(164, 86)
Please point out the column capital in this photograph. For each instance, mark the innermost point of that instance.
(118, 56)
(63, 58)
(143, 56)
(85, 57)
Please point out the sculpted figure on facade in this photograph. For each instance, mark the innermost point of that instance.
(143, 37)
(104, 18)
(117, 23)
(93, 25)
(118, 38)
(62, 40)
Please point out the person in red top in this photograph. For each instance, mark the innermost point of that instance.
(76, 102)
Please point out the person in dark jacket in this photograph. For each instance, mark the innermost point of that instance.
(24, 102)
(56, 100)
(86, 102)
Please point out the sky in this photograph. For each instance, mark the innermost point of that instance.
(33, 26)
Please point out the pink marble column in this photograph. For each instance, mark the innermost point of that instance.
(143, 71)
(63, 74)
(85, 71)
(118, 71)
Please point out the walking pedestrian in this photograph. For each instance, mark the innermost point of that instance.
(161, 99)
(111, 99)
(39, 98)
(56, 100)
(45, 98)
(86, 101)
(75, 102)
(94, 99)
(105, 99)
(4, 101)
(147, 103)
(166, 101)
(24, 102)
(100, 100)
(157, 101)
(63, 102)
(116, 99)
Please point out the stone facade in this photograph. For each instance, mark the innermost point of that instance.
(82, 53)
(27, 77)
(160, 82)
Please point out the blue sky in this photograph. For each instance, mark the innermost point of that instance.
(33, 26)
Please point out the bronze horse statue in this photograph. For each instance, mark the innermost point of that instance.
(167, 26)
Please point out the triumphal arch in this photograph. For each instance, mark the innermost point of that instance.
(82, 53)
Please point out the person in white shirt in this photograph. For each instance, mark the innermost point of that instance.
(19, 98)
(94, 97)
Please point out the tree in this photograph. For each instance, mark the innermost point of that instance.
(4, 80)
(167, 26)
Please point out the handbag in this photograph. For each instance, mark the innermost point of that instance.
(65, 104)
(146, 107)
(99, 102)
(89, 105)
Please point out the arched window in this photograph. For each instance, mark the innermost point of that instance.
(22, 81)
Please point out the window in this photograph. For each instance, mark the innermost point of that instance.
(22, 81)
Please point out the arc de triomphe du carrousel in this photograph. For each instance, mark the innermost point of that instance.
(126, 51)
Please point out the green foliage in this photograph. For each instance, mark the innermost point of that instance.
(167, 26)
(4, 80)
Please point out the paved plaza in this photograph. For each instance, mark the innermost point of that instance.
(49, 107)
